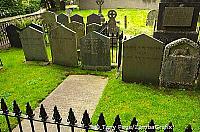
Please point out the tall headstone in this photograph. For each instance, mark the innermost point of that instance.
(177, 19)
(63, 46)
(33, 44)
(180, 63)
(95, 52)
(93, 18)
(93, 27)
(77, 18)
(152, 17)
(13, 36)
(79, 28)
(142, 57)
(63, 19)
(112, 24)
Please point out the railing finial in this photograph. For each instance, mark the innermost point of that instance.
(16, 109)
(4, 107)
(56, 115)
(86, 119)
(71, 118)
(43, 113)
(101, 122)
(29, 111)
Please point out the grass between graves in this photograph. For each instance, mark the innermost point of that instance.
(136, 19)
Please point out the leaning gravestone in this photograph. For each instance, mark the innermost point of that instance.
(92, 27)
(79, 28)
(77, 18)
(142, 57)
(95, 52)
(152, 17)
(63, 19)
(93, 18)
(63, 46)
(180, 63)
(33, 44)
(13, 36)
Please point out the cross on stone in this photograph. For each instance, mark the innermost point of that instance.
(112, 14)
(100, 3)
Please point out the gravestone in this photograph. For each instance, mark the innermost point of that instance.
(93, 27)
(142, 57)
(180, 63)
(36, 26)
(33, 44)
(93, 18)
(100, 3)
(95, 52)
(112, 24)
(152, 17)
(177, 19)
(63, 19)
(49, 18)
(62, 5)
(79, 28)
(63, 46)
(77, 18)
(13, 36)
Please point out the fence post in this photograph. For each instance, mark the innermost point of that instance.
(117, 36)
(125, 22)
(57, 118)
(120, 50)
(133, 125)
(117, 124)
(188, 128)
(5, 110)
(101, 123)
(44, 116)
(30, 114)
(86, 121)
(71, 119)
(151, 127)
(112, 44)
(17, 112)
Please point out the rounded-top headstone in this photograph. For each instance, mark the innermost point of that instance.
(176, 1)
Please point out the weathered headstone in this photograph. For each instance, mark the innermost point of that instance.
(63, 46)
(152, 17)
(33, 44)
(13, 36)
(62, 5)
(79, 28)
(92, 27)
(142, 57)
(63, 19)
(112, 27)
(95, 52)
(77, 18)
(180, 63)
(49, 18)
(177, 19)
(36, 26)
(93, 18)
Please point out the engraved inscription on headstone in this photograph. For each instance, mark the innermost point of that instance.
(95, 52)
(63, 46)
(180, 63)
(79, 28)
(77, 18)
(178, 16)
(142, 57)
(63, 19)
(33, 44)
(93, 18)
(93, 27)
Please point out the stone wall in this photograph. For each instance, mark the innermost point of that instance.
(108, 4)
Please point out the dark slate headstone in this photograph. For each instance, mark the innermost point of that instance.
(93, 27)
(152, 17)
(142, 57)
(13, 36)
(93, 18)
(95, 52)
(33, 44)
(79, 28)
(180, 63)
(63, 19)
(62, 5)
(63, 46)
(36, 26)
(77, 18)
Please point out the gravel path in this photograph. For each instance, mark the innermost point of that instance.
(79, 92)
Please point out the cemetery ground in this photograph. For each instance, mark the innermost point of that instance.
(32, 82)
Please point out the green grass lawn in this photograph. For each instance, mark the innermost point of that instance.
(33, 82)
